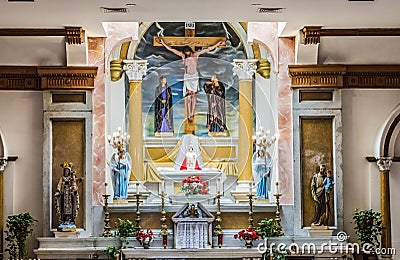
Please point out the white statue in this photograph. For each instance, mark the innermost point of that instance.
(188, 149)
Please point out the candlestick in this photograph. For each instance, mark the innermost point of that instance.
(138, 219)
(107, 227)
(218, 221)
(251, 220)
(164, 227)
(278, 212)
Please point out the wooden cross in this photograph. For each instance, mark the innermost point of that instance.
(192, 41)
(189, 39)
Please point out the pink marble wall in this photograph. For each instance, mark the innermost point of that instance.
(285, 125)
(96, 58)
(99, 51)
(282, 52)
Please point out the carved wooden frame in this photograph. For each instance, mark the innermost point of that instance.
(345, 76)
(43, 78)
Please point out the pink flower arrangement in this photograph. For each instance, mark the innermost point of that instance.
(145, 236)
(247, 234)
(194, 185)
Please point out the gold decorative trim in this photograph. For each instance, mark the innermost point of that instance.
(312, 34)
(42, 78)
(73, 35)
(345, 76)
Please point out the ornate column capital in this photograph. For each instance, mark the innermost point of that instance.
(244, 69)
(384, 163)
(135, 69)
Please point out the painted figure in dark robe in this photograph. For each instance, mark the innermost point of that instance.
(163, 118)
(216, 118)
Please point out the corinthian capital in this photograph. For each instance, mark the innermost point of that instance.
(384, 163)
(244, 69)
(135, 69)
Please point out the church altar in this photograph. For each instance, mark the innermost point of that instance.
(192, 227)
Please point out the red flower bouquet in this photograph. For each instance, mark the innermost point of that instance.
(194, 185)
(247, 234)
(145, 236)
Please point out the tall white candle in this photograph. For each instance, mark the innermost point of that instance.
(162, 186)
(278, 190)
(219, 185)
(137, 187)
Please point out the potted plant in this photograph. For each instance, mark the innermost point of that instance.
(112, 252)
(368, 227)
(145, 238)
(247, 235)
(268, 228)
(125, 229)
(19, 227)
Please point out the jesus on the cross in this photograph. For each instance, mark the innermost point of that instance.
(191, 76)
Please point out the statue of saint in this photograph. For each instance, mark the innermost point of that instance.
(67, 198)
(261, 173)
(121, 165)
(190, 162)
(163, 119)
(216, 119)
(318, 195)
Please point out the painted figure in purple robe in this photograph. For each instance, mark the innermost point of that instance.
(163, 118)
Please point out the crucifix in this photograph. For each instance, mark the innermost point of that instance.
(190, 58)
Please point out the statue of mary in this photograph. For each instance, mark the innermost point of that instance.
(121, 165)
(261, 173)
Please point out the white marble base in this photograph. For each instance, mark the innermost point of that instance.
(215, 253)
(242, 190)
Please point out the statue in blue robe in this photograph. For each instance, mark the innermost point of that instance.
(121, 165)
(261, 173)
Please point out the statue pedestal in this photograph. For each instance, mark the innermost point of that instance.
(242, 190)
(320, 231)
(66, 234)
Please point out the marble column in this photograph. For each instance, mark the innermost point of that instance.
(135, 70)
(384, 164)
(244, 69)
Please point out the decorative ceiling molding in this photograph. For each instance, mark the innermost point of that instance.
(345, 76)
(313, 34)
(43, 78)
(73, 35)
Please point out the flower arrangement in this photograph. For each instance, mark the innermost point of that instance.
(247, 234)
(147, 236)
(194, 185)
